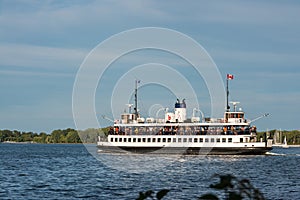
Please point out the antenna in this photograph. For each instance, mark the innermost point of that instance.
(257, 118)
(198, 110)
(105, 117)
(234, 103)
(129, 107)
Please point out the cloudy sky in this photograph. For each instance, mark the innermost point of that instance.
(44, 43)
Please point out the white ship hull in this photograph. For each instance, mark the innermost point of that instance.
(186, 145)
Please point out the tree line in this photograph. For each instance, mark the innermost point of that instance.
(68, 135)
(292, 137)
(90, 135)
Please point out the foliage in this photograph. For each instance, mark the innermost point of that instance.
(149, 194)
(293, 137)
(234, 189)
(56, 136)
(90, 135)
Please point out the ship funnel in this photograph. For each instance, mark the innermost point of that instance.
(180, 111)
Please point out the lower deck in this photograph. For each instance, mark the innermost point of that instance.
(184, 144)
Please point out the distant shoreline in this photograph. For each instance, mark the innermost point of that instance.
(13, 142)
(282, 146)
(31, 142)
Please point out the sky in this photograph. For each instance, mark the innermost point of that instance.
(44, 44)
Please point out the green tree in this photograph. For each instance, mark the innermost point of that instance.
(73, 137)
(62, 139)
(55, 136)
(43, 137)
(7, 135)
(17, 136)
(90, 135)
(25, 137)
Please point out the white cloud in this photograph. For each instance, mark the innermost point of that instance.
(232, 12)
(270, 57)
(40, 57)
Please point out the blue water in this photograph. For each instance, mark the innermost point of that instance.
(68, 171)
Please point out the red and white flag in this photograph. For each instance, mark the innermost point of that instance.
(229, 76)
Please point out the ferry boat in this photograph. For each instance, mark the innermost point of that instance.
(177, 134)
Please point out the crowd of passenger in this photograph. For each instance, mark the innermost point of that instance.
(169, 130)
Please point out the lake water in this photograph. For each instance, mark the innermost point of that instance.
(68, 171)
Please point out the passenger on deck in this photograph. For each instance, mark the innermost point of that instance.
(110, 131)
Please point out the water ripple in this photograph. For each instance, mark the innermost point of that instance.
(33, 171)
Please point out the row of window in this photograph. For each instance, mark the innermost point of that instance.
(169, 140)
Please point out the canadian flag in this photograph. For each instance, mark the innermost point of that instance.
(229, 76)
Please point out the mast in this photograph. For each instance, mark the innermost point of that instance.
(135, 100)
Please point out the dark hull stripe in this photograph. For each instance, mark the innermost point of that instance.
(187, 151)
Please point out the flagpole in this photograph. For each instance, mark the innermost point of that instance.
(229, 77)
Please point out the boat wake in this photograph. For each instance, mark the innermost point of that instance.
(275, 154)
(280, 154)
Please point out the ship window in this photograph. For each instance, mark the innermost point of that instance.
(184, 140)
(144, 139)
(158, 139)
(229, 139)
(169, 139)
(179, 139)
(139, 139)
(164, 140)
(125, 139)
(174, 139)
(149, 140)
(241, 140)
(224, 140)
(196, 140)
(190, 139)
(133, 139)
(111, 139)
(120, 139)
(218, 140)
(200, 139)
(206, 139)
(116, 139)
(212, 140)
(129, 139)
(153, 139)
